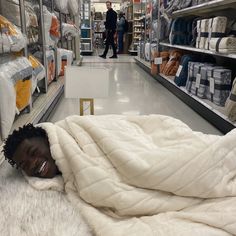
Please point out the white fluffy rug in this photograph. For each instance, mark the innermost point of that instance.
(28, 212)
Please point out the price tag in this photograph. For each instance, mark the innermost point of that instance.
(198, 80)
(158, 61)
(212, 85)
(179, 70)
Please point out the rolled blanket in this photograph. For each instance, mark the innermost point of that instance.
(223, 45)
(154, 67)
(230, 105)
(173, 63)
(220, 85)
(165, 58)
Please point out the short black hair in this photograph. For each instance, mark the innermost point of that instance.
(15, 139)
(108, 2)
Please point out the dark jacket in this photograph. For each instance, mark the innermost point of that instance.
(111, 20)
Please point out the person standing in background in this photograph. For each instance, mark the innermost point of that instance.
(110, 25)
(121, 31)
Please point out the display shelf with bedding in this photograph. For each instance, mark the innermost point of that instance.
(201, 39)
(86, 29)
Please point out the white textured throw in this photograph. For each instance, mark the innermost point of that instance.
(223, 45)
(146, 175)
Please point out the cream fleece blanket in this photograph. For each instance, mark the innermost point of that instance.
(145, 175)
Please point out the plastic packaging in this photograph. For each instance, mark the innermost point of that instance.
(11, 38)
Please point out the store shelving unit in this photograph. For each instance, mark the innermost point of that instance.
(43, 102)
(86, 28)
(136, 18)
(211, 112)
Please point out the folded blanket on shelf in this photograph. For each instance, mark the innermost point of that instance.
(64, 58)
(230, 105)
(145, 175)
(178, 32)
(223, 45)
(11, 37)
(172, 65)
(165, 58)
(154, 67)
(217, 29)
(202, 33)
(203, 87)
(193, 70)
(220, 85)
(182, 73)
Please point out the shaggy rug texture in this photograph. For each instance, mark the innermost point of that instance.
(29, 212)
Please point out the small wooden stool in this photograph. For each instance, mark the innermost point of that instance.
(91, 105)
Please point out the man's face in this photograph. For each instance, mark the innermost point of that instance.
(33, 156)
(108, 5)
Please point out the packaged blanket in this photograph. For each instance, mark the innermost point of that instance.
(10, 74)
(10, 9)
(230, 105)
(147, 51)
(182, 73)
(165, 58)
(178, 32)
(203, 86)
(145, 175)
(69, 30)
(23, 93)
(223, 45)
(193, 69)
(217, 29)
(172, 65)
(202, 30)
(51, 67)
(219, 85)
(62, 6)
(11, 38)
(154, 67)
(73, 7)
(38, 72)
(64, 58)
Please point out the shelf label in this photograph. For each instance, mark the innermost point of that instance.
(179, 70)
(212, 85)
(158, 60)
(198, 81)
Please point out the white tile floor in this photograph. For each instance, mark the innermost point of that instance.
(133, 91)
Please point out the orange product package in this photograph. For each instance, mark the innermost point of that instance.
(23, 93)
(55, 26)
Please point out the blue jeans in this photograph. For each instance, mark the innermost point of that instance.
(120, 41)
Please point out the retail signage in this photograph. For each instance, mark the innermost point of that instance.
(158, 61)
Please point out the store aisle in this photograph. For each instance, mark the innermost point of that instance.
(133, 92)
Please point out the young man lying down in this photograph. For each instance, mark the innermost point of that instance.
(146, 175)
